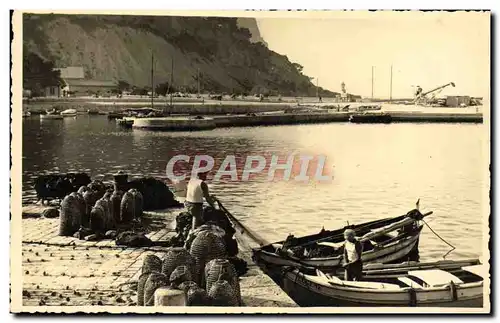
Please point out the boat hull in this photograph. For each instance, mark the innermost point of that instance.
(51, 116)
(394, 252)
(305, 291)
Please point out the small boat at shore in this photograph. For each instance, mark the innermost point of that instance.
(51, 115)
(447, 283)
(387, 240)
(69, 113)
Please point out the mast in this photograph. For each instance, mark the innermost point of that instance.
(171, 79)
(390, 96)
(317, 88)
(152, 81)
(198, 81)
(372, 83)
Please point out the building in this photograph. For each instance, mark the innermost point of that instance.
(457, 100)
(77, 85)
(52, 91)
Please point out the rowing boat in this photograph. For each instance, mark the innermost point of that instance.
(457, 283)
(388, 240)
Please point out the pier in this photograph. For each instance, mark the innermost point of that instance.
(66, 271)
(271, 119)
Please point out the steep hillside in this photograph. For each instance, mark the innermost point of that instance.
(251, 25)
(120, 47)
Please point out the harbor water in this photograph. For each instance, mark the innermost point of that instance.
(378, 171)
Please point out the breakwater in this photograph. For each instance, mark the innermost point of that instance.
(269, 119)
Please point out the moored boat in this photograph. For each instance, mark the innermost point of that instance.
(457, 283)
(52, 114)
(69, 113)
(387, 240)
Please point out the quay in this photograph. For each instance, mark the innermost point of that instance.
(270, 119)
(66, 271)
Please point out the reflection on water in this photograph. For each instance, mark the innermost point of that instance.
(379, 171)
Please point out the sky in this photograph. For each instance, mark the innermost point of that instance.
(426, 49)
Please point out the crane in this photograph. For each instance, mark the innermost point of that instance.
(422, 97)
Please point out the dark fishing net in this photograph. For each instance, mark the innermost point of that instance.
(222, 269)
(151, 263)
(140, 288)
(69, 220)
(179, 275)
(97, 220)
(176, 257)
(197, 296)
(90, 200)
(116, 199)
(127, 207)
(205, 247)
(138, 203)
(154, 281)
(222, 294)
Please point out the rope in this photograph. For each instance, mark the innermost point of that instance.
(437, 235)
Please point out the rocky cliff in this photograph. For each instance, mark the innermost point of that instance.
(227, 56)
(251, 25)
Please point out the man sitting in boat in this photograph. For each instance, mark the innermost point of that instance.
(196, 190)
(352, 256)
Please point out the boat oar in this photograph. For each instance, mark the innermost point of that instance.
(242, 229)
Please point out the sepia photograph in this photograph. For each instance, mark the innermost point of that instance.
(281, 161)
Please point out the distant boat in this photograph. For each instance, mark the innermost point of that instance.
(54, 114)
(93, 111)
(51, 116)
(26, 114)
(69, 113)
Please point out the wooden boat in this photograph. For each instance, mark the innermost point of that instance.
(69, 113)
(388, 240)
(371, 118)
(438, 284)
(26, 114)
(51, 115)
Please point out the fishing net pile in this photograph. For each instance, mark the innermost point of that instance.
(98, 211)
(202, 268)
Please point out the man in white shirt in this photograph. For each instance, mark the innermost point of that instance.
(352, 256)
(197, 189)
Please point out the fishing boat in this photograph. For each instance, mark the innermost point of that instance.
(384, 241)
(53, 114)
(69, 113)
(448, 283)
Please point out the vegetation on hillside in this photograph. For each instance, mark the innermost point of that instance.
(214, 49)
(39, 74)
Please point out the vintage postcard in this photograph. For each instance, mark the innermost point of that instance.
(250, 162)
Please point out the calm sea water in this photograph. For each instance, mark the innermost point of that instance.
(379, 171)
